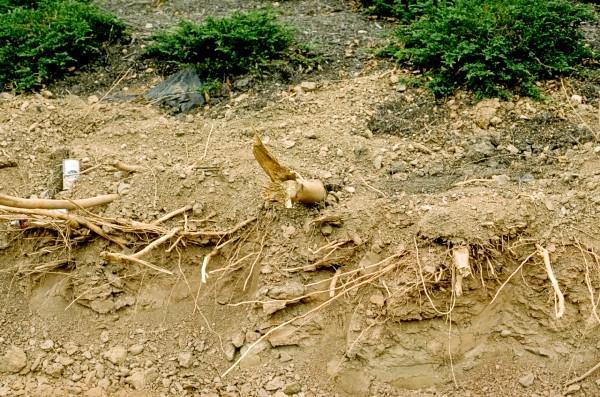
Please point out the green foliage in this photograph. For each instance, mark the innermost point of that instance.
(405, 10)
(39, 45)
(495, 46)
(223, 47)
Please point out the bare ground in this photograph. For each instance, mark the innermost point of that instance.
(410, 178)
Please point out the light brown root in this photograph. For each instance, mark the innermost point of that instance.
(373, 277)
(173, 214)
(48, 204)
(585, 375)
(121, 258)
(559, 308)
(121, 166)
(333, 282)
(511, 276)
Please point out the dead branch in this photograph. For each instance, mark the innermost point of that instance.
(17, 202)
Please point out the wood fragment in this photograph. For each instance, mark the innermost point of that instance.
(49, 204)
(121, 166)
(269, 163)
(172, 214)
(559, 308)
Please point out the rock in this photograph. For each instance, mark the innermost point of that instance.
(284, 336)
(180, 92)
(238, 339)
(401, 87)
(137, 379)
(572, 389)
(47, 94)
(274, 384)
(13, 360)
(54, 369)
(104, 336)
(485, 111)
(242, 84)
(527, 380)
(92, 99)
(71, 348)
(4, 391)
(326, 230)
(308, 86)
(116, 355)
(496, 121)
(252, 336)
(484, 148)
(309, 135)
(292, 388)
(136, 349)
(229, 350)
(576, 99)
(272, 306)
(185, 359)
(47, 345)
(377, 299)
(501, 179)
(288, 143)
(123, 188)
(285, 357)
(378, 162)
(289, 290)
(360, 151)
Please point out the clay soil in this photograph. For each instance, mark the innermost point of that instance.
(410, 179)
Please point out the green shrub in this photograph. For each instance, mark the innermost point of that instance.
(223, 47)
(495, 46)
(405, 10)
(39, 45)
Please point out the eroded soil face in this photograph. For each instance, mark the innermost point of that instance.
(355, 297)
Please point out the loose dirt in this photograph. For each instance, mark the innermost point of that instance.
(355, 297)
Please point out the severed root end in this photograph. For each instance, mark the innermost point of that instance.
(463, 269)
(303, 191)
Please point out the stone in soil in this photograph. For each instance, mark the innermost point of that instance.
(116, 355)
(185, 359)
(289, 290)
(527, 380)
(13, 360)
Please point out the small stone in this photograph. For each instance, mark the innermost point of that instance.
(527, 380)
(292, 388)
(116, 355)
(495, 121)
(47, 94)
(285, 357)
(123, 188)
(274, 384)
(350, 189)
(148, 26)
(512, 149)
(288, 143)
(229, 350)
(378, 162)
(308, 86)
(136, 349)
(309, 135)
(597, 149)
(289, 290)
(576, 99)
(377, 299)
(326, 230)
(47, 345)
(401, 87)
(238, 339)
(573, 389)
(137, 380)
(54, 369)
(92, 99)
(185, 359)
(501, 179)
(13, 360)
(71, 348)
(104, 336)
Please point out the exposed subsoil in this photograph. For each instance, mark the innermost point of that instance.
(410, 180)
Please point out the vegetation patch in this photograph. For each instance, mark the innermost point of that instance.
(404, 10)
(42, 40)
(222, 47)
(495, 47)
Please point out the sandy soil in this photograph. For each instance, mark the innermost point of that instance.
(354, 297)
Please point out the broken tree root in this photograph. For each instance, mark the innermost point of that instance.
(559, 299)
(17, 202)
